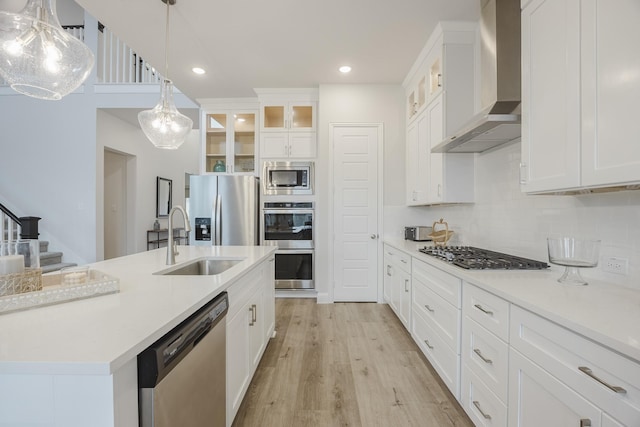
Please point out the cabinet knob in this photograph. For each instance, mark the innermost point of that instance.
(374, 236)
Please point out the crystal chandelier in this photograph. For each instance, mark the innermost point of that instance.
(163, 125)
(38, 58)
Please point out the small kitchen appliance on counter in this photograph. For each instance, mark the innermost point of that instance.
(471, 258)
(418, 233)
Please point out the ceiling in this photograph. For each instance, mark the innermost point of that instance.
(246, 44)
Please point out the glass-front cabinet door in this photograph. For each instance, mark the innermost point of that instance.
(292, 116)
(230, 142)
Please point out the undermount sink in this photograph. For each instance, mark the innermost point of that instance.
(201, 267)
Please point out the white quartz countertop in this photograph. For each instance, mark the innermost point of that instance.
(99, 335)
(605, 313)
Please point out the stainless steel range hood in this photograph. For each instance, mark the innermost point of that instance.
(499, 120)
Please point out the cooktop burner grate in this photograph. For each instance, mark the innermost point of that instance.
(472, 258)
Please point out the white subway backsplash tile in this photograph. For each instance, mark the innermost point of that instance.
(504, 219)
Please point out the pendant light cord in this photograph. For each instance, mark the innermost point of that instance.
(166, 46)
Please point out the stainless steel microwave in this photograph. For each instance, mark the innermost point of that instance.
(281, 178)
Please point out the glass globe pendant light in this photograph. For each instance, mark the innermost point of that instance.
(163, 125)
(38, 58)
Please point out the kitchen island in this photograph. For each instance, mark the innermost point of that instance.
(74, 364)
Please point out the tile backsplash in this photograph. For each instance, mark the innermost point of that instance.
(506, 220)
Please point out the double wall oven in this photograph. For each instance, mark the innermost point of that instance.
(289, 225)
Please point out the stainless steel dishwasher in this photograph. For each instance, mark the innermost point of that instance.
(181, 377)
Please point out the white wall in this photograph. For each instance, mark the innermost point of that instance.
(149, 163)
(506, 220)
(47, 168)
(355, 104)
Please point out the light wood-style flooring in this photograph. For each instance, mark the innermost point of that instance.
(345, 364)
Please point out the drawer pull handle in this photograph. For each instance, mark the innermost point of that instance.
(429, 308)
(484, 359)
(477, 405)
(479, 307)
(428, 345)
(403, 261)
(585, 422)
(590, 373)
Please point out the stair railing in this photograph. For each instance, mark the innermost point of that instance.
(10, 227)
(116, 63)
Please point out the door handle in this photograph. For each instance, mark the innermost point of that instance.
(590, 373)
(485, 311)
(477, 405)
(218, 238)
(406, 282)
(251, 322)
(484, 359)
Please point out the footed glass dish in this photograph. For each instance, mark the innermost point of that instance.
(573, 254)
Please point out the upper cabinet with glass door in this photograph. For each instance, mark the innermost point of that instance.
(288, 122)
(230, 141)
(289, 116)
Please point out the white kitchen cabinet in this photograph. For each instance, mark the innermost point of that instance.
(485, 356)
(287, 145)
(249, 326)
(418, 157)
(435, 320)
(397, 283)
(294, 116)
(451, 176)
(587, 381)
(288, 123)
(229, 137)
(442, 83)
(578, 99)
(536, 398)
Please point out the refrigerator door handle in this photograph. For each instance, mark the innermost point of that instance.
(218, 214)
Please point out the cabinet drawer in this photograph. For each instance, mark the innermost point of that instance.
(483, 407)
(487, 356)
(444, 284)
(443, 317)
(488, 310)
(442, 358)
(607, 379)
(400, 259)
(242, 290)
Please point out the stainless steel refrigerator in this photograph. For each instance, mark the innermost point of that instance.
(224, 210)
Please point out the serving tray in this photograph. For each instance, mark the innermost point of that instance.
(56, 289)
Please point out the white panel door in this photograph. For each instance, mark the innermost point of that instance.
(355, 212)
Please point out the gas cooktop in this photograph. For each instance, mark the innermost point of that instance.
(473, 258)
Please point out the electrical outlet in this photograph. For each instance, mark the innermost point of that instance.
(616, 265)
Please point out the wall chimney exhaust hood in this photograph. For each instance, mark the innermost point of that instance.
(499, 120)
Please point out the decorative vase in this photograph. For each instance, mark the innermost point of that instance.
(156, 225)
(219, 166)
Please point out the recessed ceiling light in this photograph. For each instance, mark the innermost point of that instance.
(198, 70)
(344, 69)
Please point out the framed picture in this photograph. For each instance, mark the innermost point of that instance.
(163, 197)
